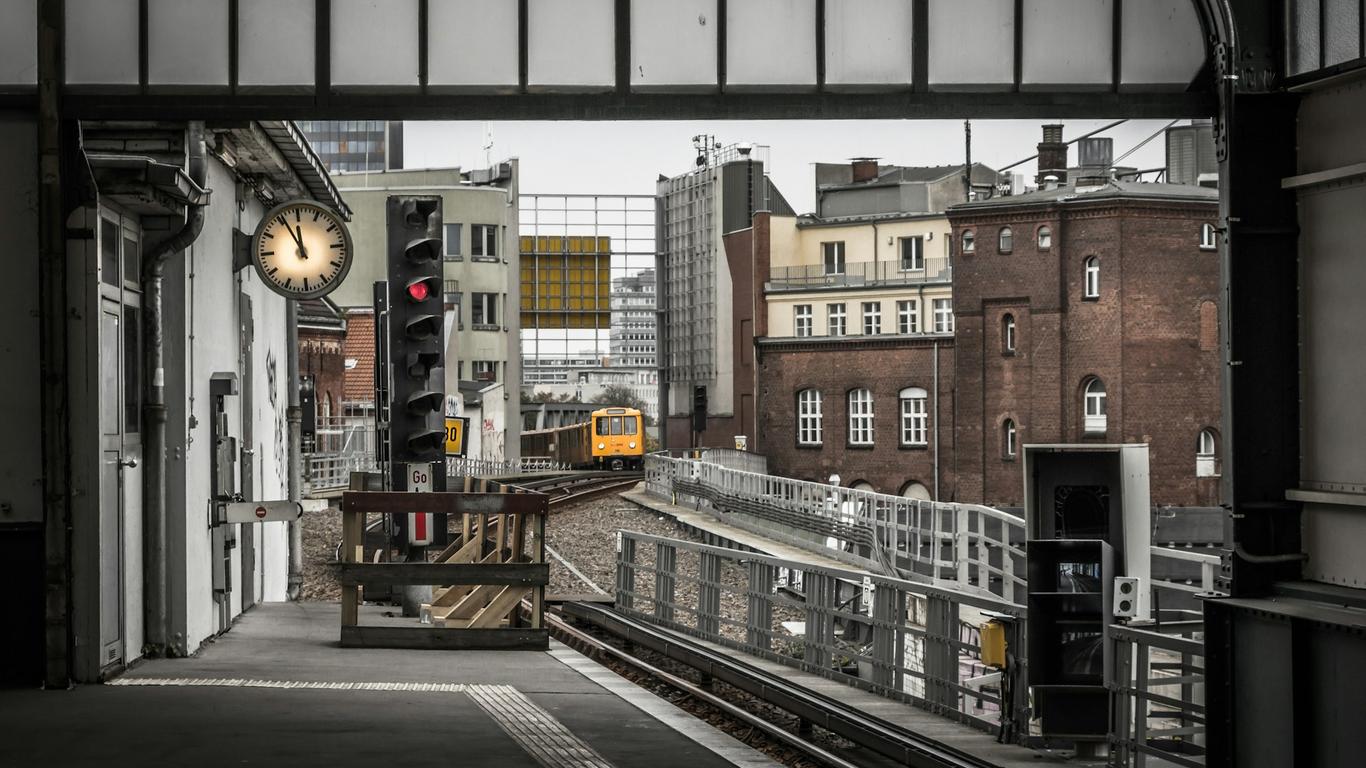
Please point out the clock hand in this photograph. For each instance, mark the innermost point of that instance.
(299, 238)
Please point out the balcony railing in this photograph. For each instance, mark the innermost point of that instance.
(858, 274)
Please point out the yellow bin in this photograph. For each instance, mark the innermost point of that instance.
(993, 636)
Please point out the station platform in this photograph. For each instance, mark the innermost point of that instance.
(278, 690)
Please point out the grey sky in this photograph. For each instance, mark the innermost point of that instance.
(626, 157)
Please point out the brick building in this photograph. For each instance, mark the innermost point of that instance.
(322, 330)
(1087, 313)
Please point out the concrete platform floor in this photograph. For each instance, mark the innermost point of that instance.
(165, 713)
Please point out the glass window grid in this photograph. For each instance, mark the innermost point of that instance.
(860, 417)
(802, 320)
(836, 322)
(914, 418)
(943, 316)
(809, 418)
(872, 318)
(907, 316)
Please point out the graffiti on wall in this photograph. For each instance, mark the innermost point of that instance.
(277, 409)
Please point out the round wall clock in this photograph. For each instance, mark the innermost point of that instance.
(301, 249)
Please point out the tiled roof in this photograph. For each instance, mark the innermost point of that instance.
(358, 381)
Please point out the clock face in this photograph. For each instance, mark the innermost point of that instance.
(302, 250)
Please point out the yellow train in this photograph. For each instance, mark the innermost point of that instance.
(613, 438)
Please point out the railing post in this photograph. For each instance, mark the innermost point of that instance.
(820, 632)
(759, 613)
(709, 594)
(885, 616)
(1140, 703)
(666, 560)
(960, 546)
(626, 573)
(941, 654)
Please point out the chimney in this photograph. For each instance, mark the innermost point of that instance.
(864, 169)
(1052, 155)
(1095, 158)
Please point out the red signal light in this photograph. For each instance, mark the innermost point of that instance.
(419, 291)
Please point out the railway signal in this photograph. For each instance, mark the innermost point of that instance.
(417, 433)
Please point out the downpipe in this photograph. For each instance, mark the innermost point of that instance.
(154, 477)
(294, 416)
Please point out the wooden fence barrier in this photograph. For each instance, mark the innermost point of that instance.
(480, 578)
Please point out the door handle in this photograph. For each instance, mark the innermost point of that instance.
(129, 463)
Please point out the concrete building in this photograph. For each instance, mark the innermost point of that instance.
(160, 208)
(348, 146)
(480, 216)
(1088, 313)
(706, 267)
(632, 336)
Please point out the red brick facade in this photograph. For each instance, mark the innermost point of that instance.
(1148, 336)
(834, 367)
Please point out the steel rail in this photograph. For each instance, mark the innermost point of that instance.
(580, 640)
(888, 739)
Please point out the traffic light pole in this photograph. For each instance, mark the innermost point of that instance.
(417, 431)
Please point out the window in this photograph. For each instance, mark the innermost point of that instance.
(484, 240)
(628, 424)
(914, 416)
(1045, 238)
(969, 244)
(1206, 460)
(809, 417)
(484, 311)
(1008, 439)
(485, 370)
(1006, 241)
(836, 319)
(1094, 407)
(833, 254)
(943, 316)
(907, 317)
(1092, 278)
(860, 417)
(912, 254)
(872, 318)
(1008, 334)
(453, 242)
(802, 319)
(1208, 241)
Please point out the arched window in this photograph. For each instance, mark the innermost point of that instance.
(1093, 404)
(914, 416)
(1045, 238)
(862, 485)
(1006, 241)
(1208, 237)
(1092, 278)
(914, 490)
(1008, 438)
(1206, 458)
(860, 417)
(1008, 333)
(969, 243)
(809, 417)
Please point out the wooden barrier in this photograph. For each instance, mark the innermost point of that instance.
(480, 578)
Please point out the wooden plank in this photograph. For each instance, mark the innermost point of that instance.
(451, 595)
(521, 574)
(403, 503)
(472, 603)
(518, 537)
(432, 638)
(353, 529)
(498, 608)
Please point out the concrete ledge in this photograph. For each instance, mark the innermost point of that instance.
(441, 639)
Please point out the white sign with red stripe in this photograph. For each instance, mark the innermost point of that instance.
(420, 524)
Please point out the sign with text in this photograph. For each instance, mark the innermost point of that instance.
(456, 429)
(419, 524)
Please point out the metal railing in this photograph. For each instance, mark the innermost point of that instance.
(733, 459)
(900, 639)
(858, 273)
(457, 466)
(1208, 564)
(324, 473)
(973, 547)
(1157, 695)
(344, 435)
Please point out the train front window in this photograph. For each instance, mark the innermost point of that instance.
(630, 425)
(616, 425)
(602, 426)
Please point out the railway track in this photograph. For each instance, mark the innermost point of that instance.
(567, 489)
(887, 739)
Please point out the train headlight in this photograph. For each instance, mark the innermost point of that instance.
(631, 444)
(602, 446)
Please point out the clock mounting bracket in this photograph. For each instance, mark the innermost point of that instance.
(241, 250)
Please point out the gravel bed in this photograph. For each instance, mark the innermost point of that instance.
(322, 532)
(585, 534)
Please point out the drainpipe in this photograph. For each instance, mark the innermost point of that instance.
(936, 420)
(156, 598)
(294, 416)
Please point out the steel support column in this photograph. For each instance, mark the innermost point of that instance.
(53, 349)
